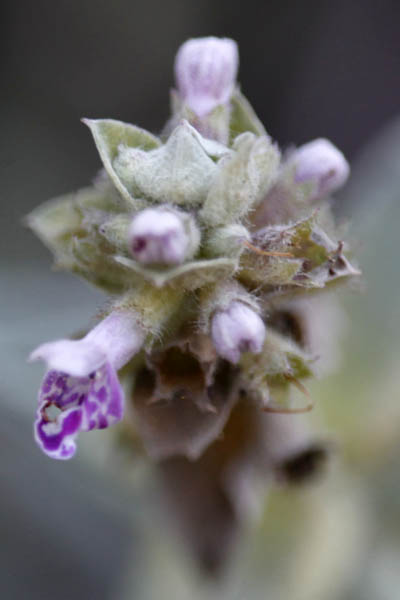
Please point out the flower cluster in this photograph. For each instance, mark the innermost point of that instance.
(208, 241)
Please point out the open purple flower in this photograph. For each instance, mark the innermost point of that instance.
(81, 390)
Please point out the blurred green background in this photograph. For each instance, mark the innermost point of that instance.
(94, 527)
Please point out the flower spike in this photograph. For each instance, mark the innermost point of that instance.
(211, 246)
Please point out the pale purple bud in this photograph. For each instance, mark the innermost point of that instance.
(81, 391)
(237, 329)
(158, 236)
(205, 71)
(320, 162)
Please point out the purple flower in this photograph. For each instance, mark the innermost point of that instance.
(321, 162)
(205, 71)
(81, 390)
(158, 236)
(237, 329)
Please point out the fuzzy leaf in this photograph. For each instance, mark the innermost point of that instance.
(226, 241)
(310, 256)
(213, 126)
(115, 231)
(55, 222)
(279, 360)
(256, 270)
(93, 261)
(189, 276)
(212, 147)
(296, 238)
(335, 270)
(287, 201)
(62, 224)
(160, 314)
(179, 172)
(109, 135)
(243, 117)
(243, 178)
(102, 198)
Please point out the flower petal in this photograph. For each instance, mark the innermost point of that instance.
(76, 357)
(68, 405)
(103, 404)
(57, 439)
(115, 339)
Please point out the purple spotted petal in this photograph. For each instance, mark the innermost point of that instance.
(103, 405)
(68, 405)
(57, 438)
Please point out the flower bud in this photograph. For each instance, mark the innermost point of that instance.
(321, 162)
(237, 329)
(205, 71)
(158, 236)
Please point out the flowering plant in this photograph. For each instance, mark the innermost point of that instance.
(213, 247)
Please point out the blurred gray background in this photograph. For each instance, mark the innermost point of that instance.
(312, 68)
